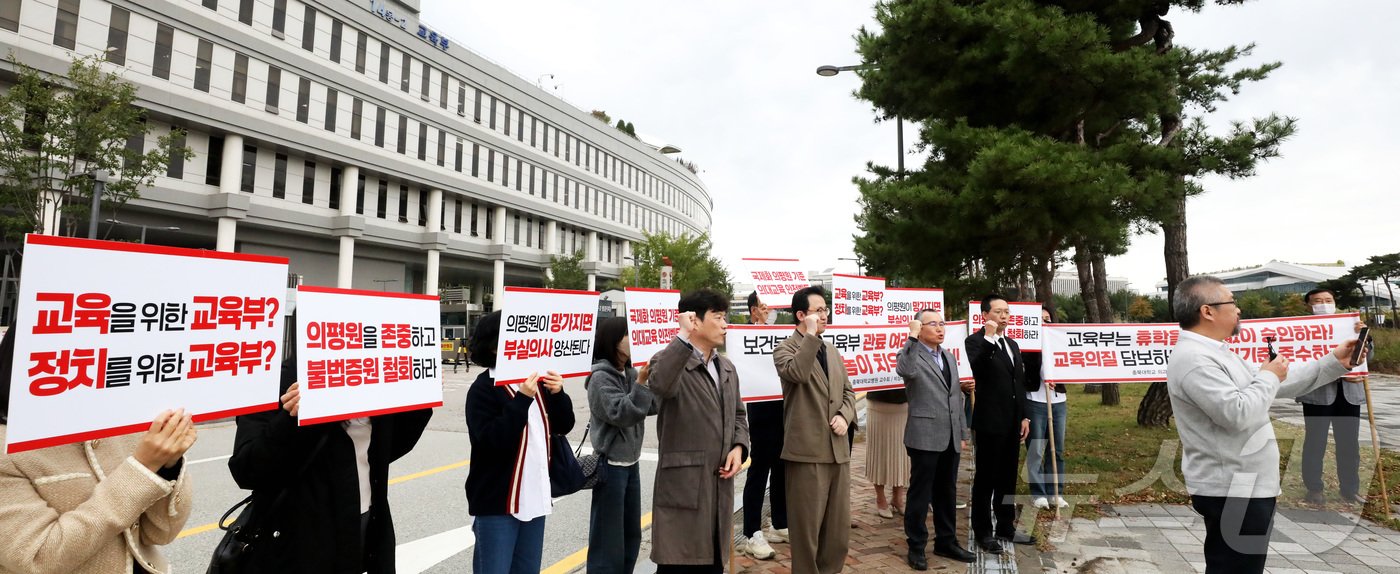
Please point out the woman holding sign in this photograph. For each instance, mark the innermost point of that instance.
(95, 507)
(508, 482)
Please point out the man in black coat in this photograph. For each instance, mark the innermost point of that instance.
(320, 529)
(1000, 423)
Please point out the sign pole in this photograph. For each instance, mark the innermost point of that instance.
(1376, 446)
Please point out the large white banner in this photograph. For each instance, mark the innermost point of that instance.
(1023, 326)
(109, 334)
(750, 348)
(651, 321)
(955, 340)
(366, 353)
(857, 300)
(776, 280)
(545, 330)
(902, 304)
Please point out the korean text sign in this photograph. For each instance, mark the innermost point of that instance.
(366, 353)
(902, 304)
(545, 330)
(776, 280)
(857, 300)
(651, 321)
(1023, 326)
(750, 348)
(110, 334)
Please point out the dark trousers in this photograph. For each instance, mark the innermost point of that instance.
(994, 484)
(933, 480)
(1345, 420)
(615, 521)
(1237, 532)
(766, 468)
(716, 568)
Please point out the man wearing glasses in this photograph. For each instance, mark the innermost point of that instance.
(1229, 454)
(819, 408)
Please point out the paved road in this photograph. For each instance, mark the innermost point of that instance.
(425, 492)
(1385, 393)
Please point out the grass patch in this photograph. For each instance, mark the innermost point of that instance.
(1386, 356)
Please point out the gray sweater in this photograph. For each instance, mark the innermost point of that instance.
(618, 408)
(1222, 415)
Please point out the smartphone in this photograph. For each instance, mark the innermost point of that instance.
(1272, 354)
(1362, 339)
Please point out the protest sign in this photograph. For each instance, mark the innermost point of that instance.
(955, 340)
(857, 300)
(651, 321)
(545, 330)
(366, 353)
(109, 334)
(902, 304)
(1300, 339)
(1023, 326)
(750, 348)
(869, 353)
(776, 280)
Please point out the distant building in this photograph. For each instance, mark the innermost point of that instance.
(1067, 283)
(1284, 277)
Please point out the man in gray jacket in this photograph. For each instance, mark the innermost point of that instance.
(1336, 405)
(1229, 454)
(934, 436)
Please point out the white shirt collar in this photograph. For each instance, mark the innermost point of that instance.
(1207, 341)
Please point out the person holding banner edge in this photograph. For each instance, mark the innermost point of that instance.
(1047, 409)
(619, 403)
(766, 467)
(1001, 423)
(703, 439)
(820, 407)
(935, 437)
(1336, 405)
(1230, 456)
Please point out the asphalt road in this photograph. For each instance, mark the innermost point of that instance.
(426, 493)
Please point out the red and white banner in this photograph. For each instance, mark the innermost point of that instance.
(545, 330)
(902, 304)
(776, 280)
(651, 321)
(109, 334)
(750, 348)
(366, 353)
(1023, 326)
(857, 300)
(869, 352)
(1139, 352)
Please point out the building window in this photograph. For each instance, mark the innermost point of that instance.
(279, 17)
(544, 139)
(422, 207)
(532, 180)
(303, 99)
(477, 105)
(357, 108)
(337, 32)
(457, 165)
(491, 165)
(457, 218)
(360, 195)
(534, 127)
(240, 78)
(442, 91)
(493, 113)
(519, 171)
(403, 134)
(442, 148)
(308, 183)
(274, 88)
(332, 102)
(461, 99)
(381, 205)
(515, 233)
(490, 222)
(529, 232)
(422, 141)
(250, 168)
(9, 15)
(505, 170)
(279, 177)
(116, 34)
(245, 12)
(176, 166)
(379, 127)
(384, 62)
(520, 126)
(214, 160)
(507, 122)
(335, 188)
(472, 223)
(406, 65)
(308, 30)
(476, 156)
(211, 4)
(65, 31)
(361, 42)
(403, 204)
(427, 81)
(204, 61)
(135, 145)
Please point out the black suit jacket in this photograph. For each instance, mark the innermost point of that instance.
(1001, 386)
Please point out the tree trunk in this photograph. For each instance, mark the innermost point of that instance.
(1092, 389)
(1083, 263)
(1045, 281)
(1101, 288)
(1109, 394)
(1156, 407)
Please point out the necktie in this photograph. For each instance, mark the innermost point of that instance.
(1002, 343)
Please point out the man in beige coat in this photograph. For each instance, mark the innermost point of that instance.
(703, 438)
(819, 409)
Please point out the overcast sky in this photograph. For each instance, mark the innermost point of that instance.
(733, 84)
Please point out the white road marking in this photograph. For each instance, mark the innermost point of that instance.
(424, 553)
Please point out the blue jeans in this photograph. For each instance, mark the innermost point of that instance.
(505, 545)
(615, 521)
(1038, 470)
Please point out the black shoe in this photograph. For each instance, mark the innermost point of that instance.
(1019, 538)
(1315, 497)
(989, 545)
(916, 560)
(955, 552)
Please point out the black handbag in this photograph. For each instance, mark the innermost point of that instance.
(565, 474)
(591, 463)
(244, 537)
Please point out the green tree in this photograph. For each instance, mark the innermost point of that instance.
(1254, 305)
(693, 266)
(567, 272)
(602, 116)
(1141, 310)
(1383, 268)
(54, 128)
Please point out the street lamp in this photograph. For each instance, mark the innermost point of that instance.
(829, 71)
(859, 270)
(144, 227)
(99, 186)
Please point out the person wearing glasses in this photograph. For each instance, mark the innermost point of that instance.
(819, 409)
(1221, 402)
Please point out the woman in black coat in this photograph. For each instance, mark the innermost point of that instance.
(320, 527)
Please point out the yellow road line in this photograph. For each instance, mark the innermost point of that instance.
(392, 481)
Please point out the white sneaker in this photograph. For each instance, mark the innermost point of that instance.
(1060, 500)
(757, 546)
(1041, 502)
(777, 534)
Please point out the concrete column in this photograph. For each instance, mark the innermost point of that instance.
(431, 278)
(349, 184)
(228, 229)
(551, 238)
(590, 249)
(592, 282)
(498, 282)
(230, 182)
(434, 255)
(477, 291)
(345, 275)
(499, 226)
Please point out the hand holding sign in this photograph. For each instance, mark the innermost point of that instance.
(291, 400)
(644, 374)
(170, 435)
(530, 387)
(552, 382)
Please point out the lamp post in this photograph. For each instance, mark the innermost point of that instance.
(829, 71)
(144, 227)
(859, 270)
(99, 186)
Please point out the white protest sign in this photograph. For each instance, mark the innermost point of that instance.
(776, 280)
(109, 334)
(651, 321)
(1023, 326)
(955, 340)
(750, 348)
(545, 330)
(902, 304)
(1300, 339)
(857, 300)
(366, 353)
(869, 353)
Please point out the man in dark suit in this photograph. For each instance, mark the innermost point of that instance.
(1000, 421)
(934, 436)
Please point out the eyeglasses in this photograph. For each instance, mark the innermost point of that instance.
(819, 311)
(1231, 302)
(936, 323)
